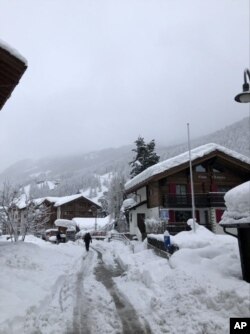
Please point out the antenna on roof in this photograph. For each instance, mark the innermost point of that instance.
(191, 178)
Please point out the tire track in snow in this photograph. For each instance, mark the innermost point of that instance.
(128, 316)
(80, 312)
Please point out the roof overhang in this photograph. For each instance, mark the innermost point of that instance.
(12, 67)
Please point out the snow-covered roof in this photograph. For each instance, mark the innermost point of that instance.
(66, 199)
(65, 223)
(128, 203)
(50, 199)
(12, 68)
(21, 202)
(12, 51)
(178, 160)
(237, 201)
(89, 223)
(58, 201)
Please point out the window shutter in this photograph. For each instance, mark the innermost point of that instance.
(171, 216)
(172, 188)
(214, 187)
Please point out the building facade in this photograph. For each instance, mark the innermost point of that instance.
(163, 191)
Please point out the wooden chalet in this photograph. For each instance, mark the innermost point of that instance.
(69, 207)
(12, 67)
(163, 191)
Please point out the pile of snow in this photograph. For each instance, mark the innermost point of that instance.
(237, 201)
(31, 273)
(196, 291)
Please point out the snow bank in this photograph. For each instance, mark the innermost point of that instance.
(237, 201)
(29, 276)
(197, 291)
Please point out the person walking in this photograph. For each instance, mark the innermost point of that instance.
(87, 239)
(58, 237)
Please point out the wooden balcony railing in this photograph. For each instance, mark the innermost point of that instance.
(215, 199)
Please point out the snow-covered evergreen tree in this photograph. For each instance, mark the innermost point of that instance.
(145, 156)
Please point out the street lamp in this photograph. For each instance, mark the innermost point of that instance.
(243, 229)
(244, 97)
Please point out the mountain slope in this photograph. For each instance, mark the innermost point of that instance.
(75, 172)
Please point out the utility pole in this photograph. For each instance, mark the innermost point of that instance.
(191, 178)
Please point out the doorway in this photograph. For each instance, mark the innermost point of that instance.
(141, 222)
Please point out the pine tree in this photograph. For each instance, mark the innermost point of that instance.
(145, 156)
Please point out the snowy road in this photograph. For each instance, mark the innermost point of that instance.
(131, 322)
(127, 322)
(62, 289)
(86, 300)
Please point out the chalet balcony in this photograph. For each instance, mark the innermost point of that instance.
(213, 199)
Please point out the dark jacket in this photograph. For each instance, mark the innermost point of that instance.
(87, 238)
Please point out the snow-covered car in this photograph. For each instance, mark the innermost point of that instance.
(67, 228)
(51, 235)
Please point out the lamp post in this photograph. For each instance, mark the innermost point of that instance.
(191, 178)
(243, 229)
(244, 97)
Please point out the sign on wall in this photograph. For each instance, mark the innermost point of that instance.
(164, 214)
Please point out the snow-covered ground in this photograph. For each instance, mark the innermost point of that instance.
(48, 288)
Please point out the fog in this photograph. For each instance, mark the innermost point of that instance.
(102, 72)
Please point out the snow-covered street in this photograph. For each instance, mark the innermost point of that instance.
(117, 288)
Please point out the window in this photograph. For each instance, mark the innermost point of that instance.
(200, 169)
(217, 168)
(181, 189)
(181, 194)
(182, 216)
(68, 212)
(223, 188)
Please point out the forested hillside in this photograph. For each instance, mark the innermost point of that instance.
(60, 176)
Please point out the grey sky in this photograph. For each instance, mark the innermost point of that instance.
(100, 73)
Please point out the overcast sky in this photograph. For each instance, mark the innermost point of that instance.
(102, 72)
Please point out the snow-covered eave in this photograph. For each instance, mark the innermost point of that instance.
(154, 177)
(72, 198)
(180, 162)
(5, 46)
(12, 68)
(39, 201)
(59, 201)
